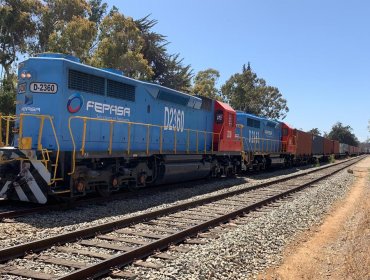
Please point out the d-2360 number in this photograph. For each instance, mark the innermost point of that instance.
(174, 119)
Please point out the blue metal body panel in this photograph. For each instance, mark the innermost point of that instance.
(82, 91)
(260, 134)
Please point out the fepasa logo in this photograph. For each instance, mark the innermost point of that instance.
(104, 108)
(75, 102)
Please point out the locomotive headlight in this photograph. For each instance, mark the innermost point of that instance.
(26, 75)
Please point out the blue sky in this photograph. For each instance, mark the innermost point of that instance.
(316, 52)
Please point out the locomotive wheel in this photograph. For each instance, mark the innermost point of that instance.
(103, 191)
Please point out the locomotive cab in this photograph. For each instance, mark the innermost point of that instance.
(289, 137)
(225, 137)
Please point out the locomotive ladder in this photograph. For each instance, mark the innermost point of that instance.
(24, 143)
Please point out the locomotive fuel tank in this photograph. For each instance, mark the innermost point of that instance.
(177, 168)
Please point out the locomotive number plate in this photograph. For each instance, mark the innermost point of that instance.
(44, 87)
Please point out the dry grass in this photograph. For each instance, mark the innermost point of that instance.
(357, 257)
(339, 248)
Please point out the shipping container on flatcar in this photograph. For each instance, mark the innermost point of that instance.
(304, 144)
(335, 147)
(317, 145)
(297, 144)
(356, 151)
(343, 149)
(328, 147)
(353, 151)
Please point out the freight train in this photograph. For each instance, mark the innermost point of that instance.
(80, 129)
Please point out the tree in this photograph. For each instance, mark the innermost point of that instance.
(176, 76)
(17, 28)
(205, 84)
(120, 45)
(74, 37)
(273, 104)
(343, 134)
(315, 131)
(98, 10)
(55, 15)
(82, 28)
(7, 95)
(168, 69)
(154, 46)
(248, 93)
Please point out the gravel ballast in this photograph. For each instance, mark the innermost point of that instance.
(242, 251)
(39, 226)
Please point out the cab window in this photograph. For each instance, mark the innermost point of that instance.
(219, 116)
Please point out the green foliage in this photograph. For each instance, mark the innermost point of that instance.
(331, 159)
(248, 93)
(343, 134)
(54, 15)
(168, 69)
(17, 28)
(120, 45)
(176, 75)
(84, 29)
(315, 131)
(75, 37)
(317, 162)
(205, 84)
(7, 95)
(98, 10)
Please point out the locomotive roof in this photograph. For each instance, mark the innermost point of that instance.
(74, 60)
(257, 117)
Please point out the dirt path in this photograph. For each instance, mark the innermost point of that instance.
(340, 247)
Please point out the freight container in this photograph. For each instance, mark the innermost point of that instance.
(335, 147)
(353, 150)
(350, 149)
(328, 147)
(317, 145)
(343, 149)
(304, 144)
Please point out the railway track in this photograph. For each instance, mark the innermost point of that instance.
(119, 243)
(13, 209)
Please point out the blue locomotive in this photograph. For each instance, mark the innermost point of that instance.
(81, 129)
(261, 139)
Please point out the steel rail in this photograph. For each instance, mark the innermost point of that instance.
(104, 267)
(21, 212)
(39, 245)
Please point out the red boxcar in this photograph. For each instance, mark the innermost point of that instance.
(335, 147)
(353, 150)
(296, 142)
(304, 144)
(328, 147)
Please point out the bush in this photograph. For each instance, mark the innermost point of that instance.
(331, 159)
